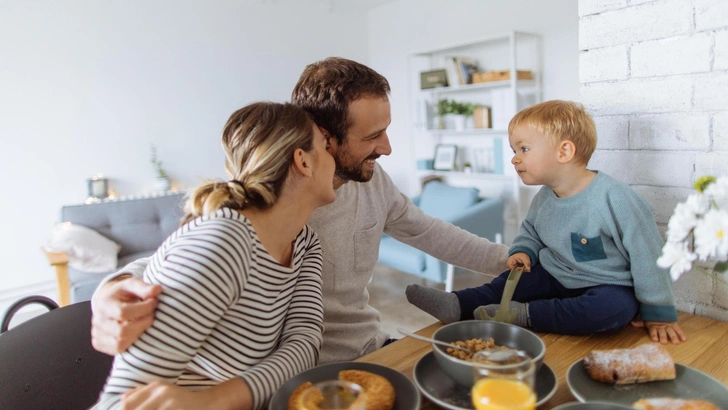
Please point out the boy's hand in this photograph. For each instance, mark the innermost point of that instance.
(663, 332)
(519, 257)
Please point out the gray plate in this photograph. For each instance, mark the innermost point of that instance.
(444, 392)
(407, 396)
(689, 383)
(592, 405)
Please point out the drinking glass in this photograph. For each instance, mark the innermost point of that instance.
(504, 380)
(332, 395)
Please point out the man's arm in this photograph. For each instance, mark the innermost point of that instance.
(407, 223)
(123, 308)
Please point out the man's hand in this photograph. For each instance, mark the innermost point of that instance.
(159, 395)
(522, 258)
(123, 310)
(663, 332)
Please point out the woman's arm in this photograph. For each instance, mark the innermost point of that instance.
(201, 280)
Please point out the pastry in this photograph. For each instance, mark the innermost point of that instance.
(673, 404)
(293, 400)
(644, 363)
(379, 391)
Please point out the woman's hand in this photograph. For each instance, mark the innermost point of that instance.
(522, 258)
(159, 395)
(663, 332)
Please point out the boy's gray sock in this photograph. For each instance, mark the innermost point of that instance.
(522, 317)
(445, 306)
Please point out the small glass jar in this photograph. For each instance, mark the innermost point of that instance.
(332, 395)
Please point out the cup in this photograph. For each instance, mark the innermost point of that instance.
(332, 395)
(504, 379)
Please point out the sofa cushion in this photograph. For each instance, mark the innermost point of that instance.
(83, 284)
(445, 201)
(401, 256)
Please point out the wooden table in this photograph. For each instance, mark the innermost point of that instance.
(705, 350)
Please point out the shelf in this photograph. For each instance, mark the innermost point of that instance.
(478, 86)
(478, 175)
(465, 132)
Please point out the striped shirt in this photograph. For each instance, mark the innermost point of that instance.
(227, 309)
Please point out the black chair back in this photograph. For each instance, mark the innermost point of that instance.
(48, 362)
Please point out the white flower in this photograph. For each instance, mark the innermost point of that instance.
(677, 257)
(711, 236)
(686, 217)
(718, 190)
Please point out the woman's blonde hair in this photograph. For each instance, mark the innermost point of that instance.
(259, 141)
(561, 120)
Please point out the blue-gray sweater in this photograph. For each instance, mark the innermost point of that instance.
(605, 234)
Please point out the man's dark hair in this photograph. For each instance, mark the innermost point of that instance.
(327, 87)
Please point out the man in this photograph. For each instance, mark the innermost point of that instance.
(350, 104)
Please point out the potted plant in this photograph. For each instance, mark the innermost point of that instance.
(461, 112)
(162, 182)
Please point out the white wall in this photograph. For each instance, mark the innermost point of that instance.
(655, 76)
(406, 26)
(86, 86)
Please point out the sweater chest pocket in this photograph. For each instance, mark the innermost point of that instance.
(587, 249)
(366, 248)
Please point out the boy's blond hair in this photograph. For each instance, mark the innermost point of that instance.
(561, 120)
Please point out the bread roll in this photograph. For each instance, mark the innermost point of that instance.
(673, 404)
(644, 363)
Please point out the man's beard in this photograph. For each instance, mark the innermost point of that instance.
(348, 170)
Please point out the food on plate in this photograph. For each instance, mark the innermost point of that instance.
(475, 345)
(673, 404)
(293, 400)
(379, 391)
(644, 363)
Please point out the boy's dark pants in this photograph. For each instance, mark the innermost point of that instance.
(555, 309)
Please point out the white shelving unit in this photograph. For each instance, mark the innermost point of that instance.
(512, 51)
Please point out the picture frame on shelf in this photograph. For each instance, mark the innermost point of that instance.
(445, 155)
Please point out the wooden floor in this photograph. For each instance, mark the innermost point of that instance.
(386, 294)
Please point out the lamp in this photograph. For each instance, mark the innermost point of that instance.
(98, 187)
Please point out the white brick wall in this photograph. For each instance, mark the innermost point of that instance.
(720, 131)
(587, 7)
(721, 50)
(645, 95)
(592, 65)
(612, 132)
(660, 19)
(670, 132)
(710, 14)
(654, 75)
(677, 55)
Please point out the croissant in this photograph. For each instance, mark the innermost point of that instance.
(644, 363)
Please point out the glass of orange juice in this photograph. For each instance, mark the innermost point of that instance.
(504, 380)
(332, 395)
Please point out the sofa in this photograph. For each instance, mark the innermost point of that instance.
(139, 226)
(460, 206)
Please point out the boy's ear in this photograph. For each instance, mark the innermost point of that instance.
(567, 151)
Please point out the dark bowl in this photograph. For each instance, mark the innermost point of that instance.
(595, 405)
(503, 334)
(407, 397)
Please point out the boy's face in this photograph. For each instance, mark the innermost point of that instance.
(536, 155)
(365, 140)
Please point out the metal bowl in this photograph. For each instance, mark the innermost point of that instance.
(503, 334)
(595, 405)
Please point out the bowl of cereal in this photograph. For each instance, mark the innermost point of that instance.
(479, 335)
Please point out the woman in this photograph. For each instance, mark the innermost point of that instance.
(241, 305)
